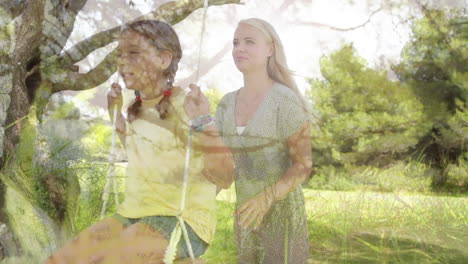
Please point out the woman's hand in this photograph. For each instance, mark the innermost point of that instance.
(114, 97)
(196, 104)
(252, 212)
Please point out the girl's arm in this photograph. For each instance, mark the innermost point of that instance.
(219, 164)
(218, 161)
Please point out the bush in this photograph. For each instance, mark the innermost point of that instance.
(365, 118)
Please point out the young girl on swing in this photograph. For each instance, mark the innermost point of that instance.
(155, 135)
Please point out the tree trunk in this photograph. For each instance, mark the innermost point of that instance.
(14, 56)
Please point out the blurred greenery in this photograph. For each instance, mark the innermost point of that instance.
(434, 66)
(365, 118)
(384, 134)
(214, 96)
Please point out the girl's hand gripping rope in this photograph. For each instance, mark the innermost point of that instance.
(114, 97)
(196, 104)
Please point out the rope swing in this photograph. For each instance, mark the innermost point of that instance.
(180, 228)
(111, 178)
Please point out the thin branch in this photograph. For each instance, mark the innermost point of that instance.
(32, 71)
(316, 24)
(220, 54)
(216, 58)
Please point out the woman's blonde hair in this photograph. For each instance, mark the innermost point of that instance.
(278, 69)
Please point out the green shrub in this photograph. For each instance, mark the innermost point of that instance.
(365, 119)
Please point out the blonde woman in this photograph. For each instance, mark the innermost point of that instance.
(265, 126)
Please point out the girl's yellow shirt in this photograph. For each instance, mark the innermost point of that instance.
(156, 156)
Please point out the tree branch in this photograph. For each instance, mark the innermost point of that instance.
(172, 13)
(82, 49)
(316, 24)
(78, 82)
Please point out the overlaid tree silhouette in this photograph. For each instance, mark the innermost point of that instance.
(33, 66)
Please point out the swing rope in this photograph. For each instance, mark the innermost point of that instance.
(111, 178)
(180, 227)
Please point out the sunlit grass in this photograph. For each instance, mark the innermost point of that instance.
(362, 227)
(369, 227)
(357, 227)
(410, 176)
(223, 250)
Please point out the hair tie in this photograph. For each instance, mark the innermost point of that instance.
(167, 93)
(138, 96)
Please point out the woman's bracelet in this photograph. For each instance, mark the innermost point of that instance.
(199, 124)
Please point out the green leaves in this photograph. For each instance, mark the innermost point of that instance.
(368, 120)
(434, 65)
(365, 117)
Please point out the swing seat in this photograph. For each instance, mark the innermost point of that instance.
(189, 261)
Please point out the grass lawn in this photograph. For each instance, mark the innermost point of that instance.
(368, 227)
